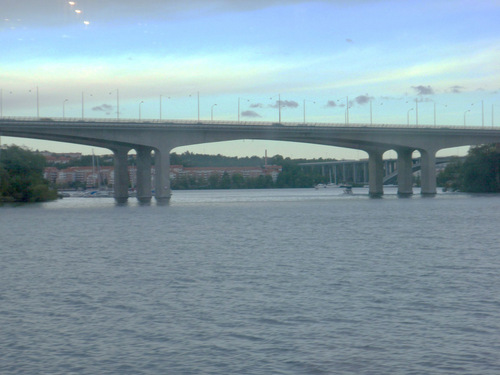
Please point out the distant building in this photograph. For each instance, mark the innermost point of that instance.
(105, 176)
(205, 172)
(60, 158)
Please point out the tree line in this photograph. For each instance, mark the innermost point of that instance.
(21, 176)
(21, 173)
(478, 173)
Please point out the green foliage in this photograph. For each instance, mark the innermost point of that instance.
(481, 170)
(292, 176)
(479, 173)
(188, 159)
(21, 176)
(85, 161)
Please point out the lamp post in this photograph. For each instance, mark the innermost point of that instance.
(212, 112)
(83, 104)
(492, 115)
(347, 110)
(64, 112)
(416, 111)
(371, 112)
(37, 103)
(142, 101)
(239, 111)
(279, 107)
(465, 113)
(408, 116)
(346, 115)
(371, 118)
(305, 109)
(435, 113)
(117, 103)
(161, 96)
(482, 113)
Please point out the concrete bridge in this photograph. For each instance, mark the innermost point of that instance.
(356, 171)
(160, 137)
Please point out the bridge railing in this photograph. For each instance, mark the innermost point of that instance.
(152, 122)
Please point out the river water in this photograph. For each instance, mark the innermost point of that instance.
(252, 282)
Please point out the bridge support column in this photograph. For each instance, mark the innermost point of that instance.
(162, 174)
(143, 174)
(428, 177)
(121, 180)
(405, 173)
(376, 173)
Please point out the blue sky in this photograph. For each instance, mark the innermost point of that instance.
(444, 54)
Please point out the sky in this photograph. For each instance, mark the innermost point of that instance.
(386, 61)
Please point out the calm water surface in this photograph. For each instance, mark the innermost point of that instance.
(252, 282)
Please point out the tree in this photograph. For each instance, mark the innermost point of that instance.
(479, 173)
(225, 181)
(450, 177)
(21, 176)
(481, 170)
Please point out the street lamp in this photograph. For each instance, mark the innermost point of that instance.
(37, 103)
(239, 108)
(140, 109)
(465, 113)
(416, 111)
(83, 104)
(445, 105)
(305, 108)
(64, 103)
(347, 110)
(198, 94)
(117, 103)
(371, 117)
(408, 116)
(279, 107)
(212, 112)
(161, 103)
(371, 112)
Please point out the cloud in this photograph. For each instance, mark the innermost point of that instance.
(285, 104)
(456, 89)
(257, 105)
(423, 90)
(363, 99)
(250, 114)
(349, 40)
(103, 108)
(334, 104)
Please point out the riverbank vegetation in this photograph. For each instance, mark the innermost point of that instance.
(478, 173)
(21, 176)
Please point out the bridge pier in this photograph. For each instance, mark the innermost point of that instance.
(428, 172)
(144, 174)
(121, 174)
(162, 175)
(405, 173)
(376, 173)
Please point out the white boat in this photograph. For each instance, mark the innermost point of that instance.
(98, 194)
